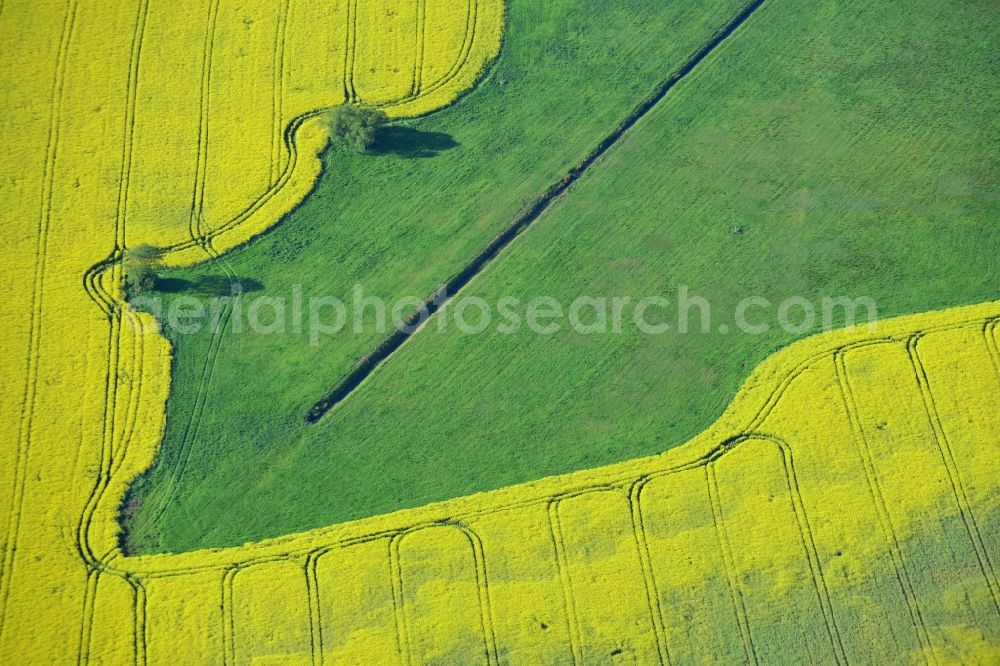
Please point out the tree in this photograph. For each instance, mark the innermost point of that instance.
(139, 264)
(354, 127)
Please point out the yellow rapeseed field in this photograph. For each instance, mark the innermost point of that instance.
(844, 509)
(190, 125)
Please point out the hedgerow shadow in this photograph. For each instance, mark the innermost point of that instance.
(411, 143)
(208, 285)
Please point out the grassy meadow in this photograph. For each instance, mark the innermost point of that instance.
(855, 145)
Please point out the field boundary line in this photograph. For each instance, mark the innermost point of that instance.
(291, 545)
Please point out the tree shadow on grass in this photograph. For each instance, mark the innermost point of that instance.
(411, 143)
(208, 285)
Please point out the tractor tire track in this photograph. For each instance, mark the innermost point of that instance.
(198, 238)
(111, 457)
(468, 41)
(87, 616)
(639, 533)
(193, 426)
(201, 162)
(397, 583)
(483, 590)
(315, 606)
(808, 542)
(802, 366)
(350, 47)
(624, 481)
(93, 282)
(562, 566)
(119, 446)
(403, 645)
(991, 333)
(863, 447)
(228, 617)
(279, 66)
(290, 144)
(30, 390)
(203, 238)
(729, 564)
(959, 492)
(94, 279)
(140, 645)
(420, 39)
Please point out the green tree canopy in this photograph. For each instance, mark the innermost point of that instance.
(353, 127)
(139, 264)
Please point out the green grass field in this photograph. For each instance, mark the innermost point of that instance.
(855, 143)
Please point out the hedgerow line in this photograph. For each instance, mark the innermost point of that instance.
(389, 345)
